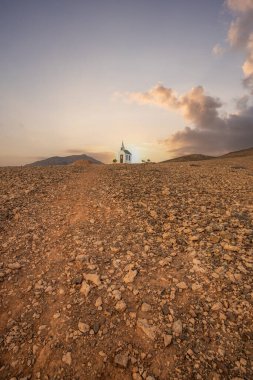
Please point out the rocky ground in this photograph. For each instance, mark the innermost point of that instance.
(127, 272)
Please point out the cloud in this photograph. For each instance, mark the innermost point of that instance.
(242, 103)
(233, 133)
(240, 5)
(195, 106)
(240, 35)
(218, 50)
(208, 132)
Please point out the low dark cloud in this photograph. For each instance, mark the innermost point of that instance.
(233, 133)
(242, 103)
(209, 132)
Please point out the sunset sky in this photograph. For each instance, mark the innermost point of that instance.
(167, 77)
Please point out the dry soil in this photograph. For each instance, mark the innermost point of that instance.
(127, 272)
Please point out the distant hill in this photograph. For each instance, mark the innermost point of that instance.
(202, 157)
(64, 160)
(189, 157)
(239, 153)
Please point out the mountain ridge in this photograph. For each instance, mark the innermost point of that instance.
(64, 160)
(202, 157)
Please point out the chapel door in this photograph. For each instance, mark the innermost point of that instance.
(121, 158)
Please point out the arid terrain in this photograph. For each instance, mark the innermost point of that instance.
(127, 272)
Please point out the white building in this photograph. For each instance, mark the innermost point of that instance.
(125, 157)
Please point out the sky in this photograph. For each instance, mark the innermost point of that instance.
(166, 77)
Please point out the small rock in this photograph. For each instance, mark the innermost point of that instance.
(145, 307)
(177, 327)
(15, 265)
(120, 306)
(121, 360)
(196, 287)
(194, 238)
(149, 331)
(81, 257)
(96, 327)
(232, 248)
(83, 327)
(130, 276)
(182, 285)
(77, 280)
(98, 302)
(35, 349)
(165, 309)
(227, 257)
(167, 340)
(67, 359)
(116, 294)
(136, 376)
(217, 306)
(93, 277)
(153, 213)
(166, 261)
(85, 288)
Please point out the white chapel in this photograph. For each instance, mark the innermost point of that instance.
(125, 157)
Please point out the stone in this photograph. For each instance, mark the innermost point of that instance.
(177, 327)
(130, 276)
(145, 307)
(229, 247)
(214, 376)
(121, 360)
(116, 294)
(85, 288)
(227, 257)
(35, 349)
(165, 309)
(217, 306)
(194, 238)
(93, 277)
(153, 213)
(136, 376)
(77, 280)
(120, 306)
(167, 339)
(81, 257)
(96, 327)
(15, 265)
(67, 359)
(83, 327)
(182, 285)
(98, 302)
(196, 287)
(149, 331)
(166, 261)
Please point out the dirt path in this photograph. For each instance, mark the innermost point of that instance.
(119, 272)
